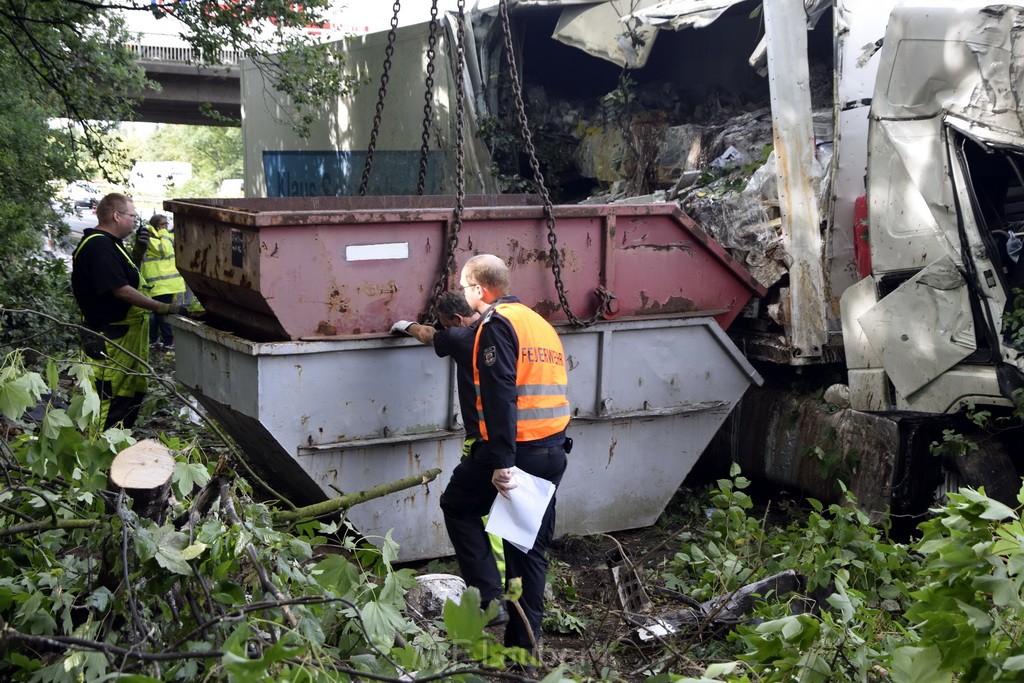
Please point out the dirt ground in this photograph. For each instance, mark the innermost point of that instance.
(583, 584)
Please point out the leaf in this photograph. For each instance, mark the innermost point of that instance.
(1004, 592)
(246, 669)
(992, 509)
(337, 575)
(841, 601)
(515, 589)
(465, 621)
(382, 621)
(721, 669)
(54, 421)
(52, 375)
(918, 665)
(100, 599)
(193, 551)
(169, 547)
(116, 437)
(187, 476)
(20, 394)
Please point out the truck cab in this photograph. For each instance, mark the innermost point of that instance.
(927, 330)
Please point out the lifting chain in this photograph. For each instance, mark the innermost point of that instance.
(382, 93)
(428, 108)
(460, 166)
(605, 297)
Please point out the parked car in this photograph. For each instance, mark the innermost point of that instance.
(82, 194)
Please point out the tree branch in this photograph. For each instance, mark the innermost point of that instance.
(334, 505)
(49, 525)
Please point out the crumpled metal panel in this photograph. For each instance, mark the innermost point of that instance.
(679, 14)
(923, 328)
(964, 59)
(956, 65)
(911, 208)
(599, 30)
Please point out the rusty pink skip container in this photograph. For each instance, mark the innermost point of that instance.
(339, 267)
(294, 358)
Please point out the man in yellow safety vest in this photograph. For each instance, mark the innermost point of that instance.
(106, 284)
(154, 252)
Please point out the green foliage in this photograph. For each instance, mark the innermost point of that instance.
(862, 580)
(1013, 319)
(218, 594)
(733, 176)
(617, 103)
(954, 443)
(558, 618)
(38, 283)
(465, 622)
(986, 424)
(950, 607)
(969, 611)
(215, 155)
(509, 164)
(831, 463)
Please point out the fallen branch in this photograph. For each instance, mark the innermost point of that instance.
(228, 505)
(49, 525)
(334, 505)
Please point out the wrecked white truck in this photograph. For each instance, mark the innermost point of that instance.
(880, 239)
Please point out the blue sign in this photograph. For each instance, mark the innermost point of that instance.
(338, 173)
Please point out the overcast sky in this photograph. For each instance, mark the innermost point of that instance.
(362, 16)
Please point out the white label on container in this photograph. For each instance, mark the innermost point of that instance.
(377, 252)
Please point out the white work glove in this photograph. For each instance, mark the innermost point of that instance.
(1013, 246)
(402, 327)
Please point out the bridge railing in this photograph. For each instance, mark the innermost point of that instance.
(180, 54)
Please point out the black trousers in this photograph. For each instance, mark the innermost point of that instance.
(469, 496)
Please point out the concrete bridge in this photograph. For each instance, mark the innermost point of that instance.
(186, 88)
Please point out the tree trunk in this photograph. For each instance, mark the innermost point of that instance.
(144, 471)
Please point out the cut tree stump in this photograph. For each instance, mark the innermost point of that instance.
(144, 471)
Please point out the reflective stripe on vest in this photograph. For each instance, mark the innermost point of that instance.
(81, 243)
(542, 407)
(158, 267)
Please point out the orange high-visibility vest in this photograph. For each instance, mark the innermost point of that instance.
(542, 406)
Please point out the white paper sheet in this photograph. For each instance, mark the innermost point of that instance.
(517, 518)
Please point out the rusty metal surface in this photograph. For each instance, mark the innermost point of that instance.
(277, 269)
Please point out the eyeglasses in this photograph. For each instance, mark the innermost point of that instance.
(133, 215)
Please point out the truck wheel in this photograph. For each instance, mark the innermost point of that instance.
(990, 466)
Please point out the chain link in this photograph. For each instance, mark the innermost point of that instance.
(460, 167)
(604, 297)
(382, 93)
(428, 108)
